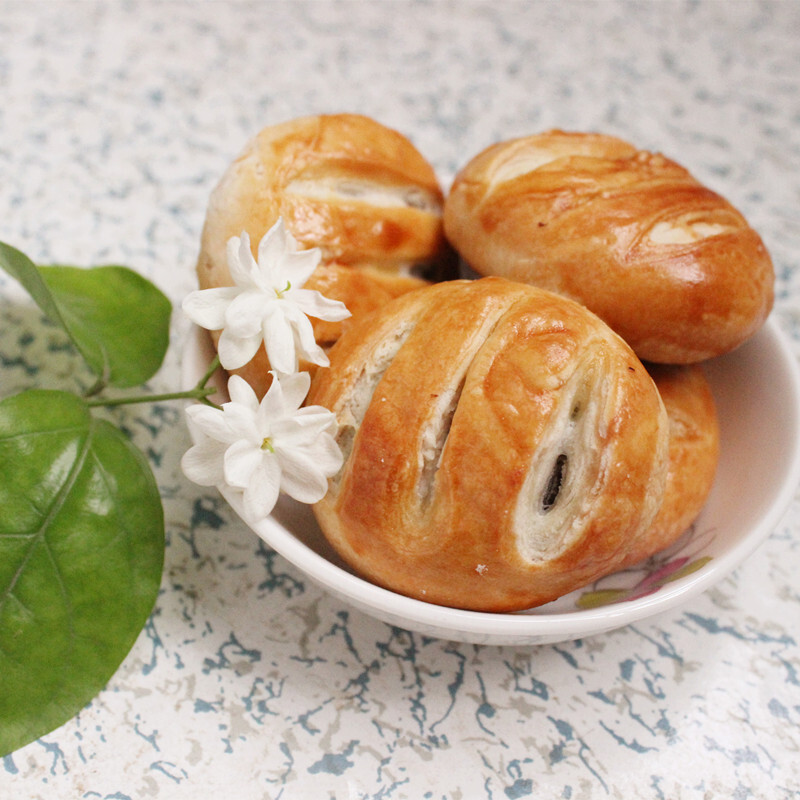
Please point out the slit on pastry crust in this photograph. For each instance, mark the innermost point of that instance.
(668, 263)
(456, 403)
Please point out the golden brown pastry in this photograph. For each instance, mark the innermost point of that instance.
(502, 446)
(693, 455)
(670, 265)
(356, 189)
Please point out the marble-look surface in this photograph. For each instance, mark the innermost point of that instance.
(116, 120)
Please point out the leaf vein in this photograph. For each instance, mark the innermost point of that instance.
(31, 434)
(40, 536)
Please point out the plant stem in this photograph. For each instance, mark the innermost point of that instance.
(200, 392)
(212, 368)
(98, 387)
(190, 394)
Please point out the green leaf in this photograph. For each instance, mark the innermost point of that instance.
(19, 266)
(81, 555)
(687, 569)
(601, 597)
(118, 320)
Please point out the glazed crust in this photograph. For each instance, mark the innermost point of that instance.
(356, 189)
(669, 264)
(693, 455)
(502, 446)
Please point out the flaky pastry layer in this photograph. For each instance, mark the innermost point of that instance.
(669, 264)
(502, 445)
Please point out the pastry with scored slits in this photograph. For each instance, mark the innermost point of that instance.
(502, 446)
(345, 183)
(668, 263)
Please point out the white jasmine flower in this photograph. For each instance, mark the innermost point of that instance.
(267, 303)
(261, 449)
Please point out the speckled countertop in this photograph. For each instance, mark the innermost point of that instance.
(116, 120)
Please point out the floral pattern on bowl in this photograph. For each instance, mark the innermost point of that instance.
(681, 559)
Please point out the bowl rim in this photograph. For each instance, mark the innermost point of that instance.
(509, 628)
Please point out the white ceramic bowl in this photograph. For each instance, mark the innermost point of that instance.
(757, 390)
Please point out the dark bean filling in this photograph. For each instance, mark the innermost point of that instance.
(554, 483)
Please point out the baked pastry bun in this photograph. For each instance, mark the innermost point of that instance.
(669, 264)
(502, 446)
(693, 455)
(356, 189)
(346, 184)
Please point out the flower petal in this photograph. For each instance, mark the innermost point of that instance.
(304, 341)
(279, 342)
(271, 407)
(294, 388)
(304, 427)
(292, 245)
(262, 493)
(245, 312)
(234, 352)
(272, 247)
(300, 477)
(202, 464)
(327, 455)
(206, 307)
(314, 354)
(241, 264)
(241, 413)
(315, 304)
(299, 266)
(241, 393)
(241, 460)
(210, 422)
